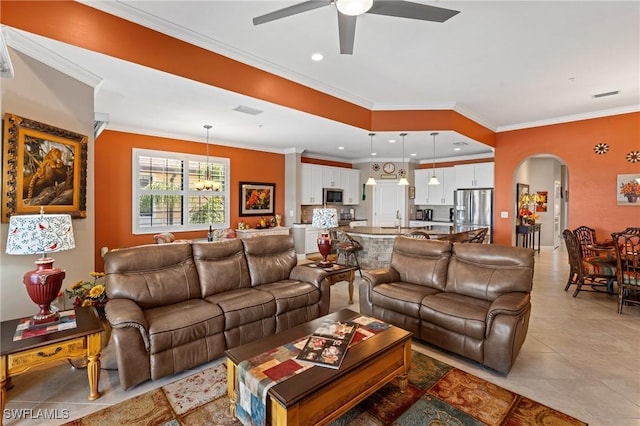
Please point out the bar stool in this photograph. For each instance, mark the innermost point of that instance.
(348, 248)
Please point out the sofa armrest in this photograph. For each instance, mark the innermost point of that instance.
(381, 275)
(123, 313)
(513, 304)
(308, 275)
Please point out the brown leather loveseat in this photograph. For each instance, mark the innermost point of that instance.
(175, 306)
(471, 299)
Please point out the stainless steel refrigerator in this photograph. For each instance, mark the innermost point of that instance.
(473, 207)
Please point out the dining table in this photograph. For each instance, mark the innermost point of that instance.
(606, 249)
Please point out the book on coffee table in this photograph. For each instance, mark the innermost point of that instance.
(328, 344)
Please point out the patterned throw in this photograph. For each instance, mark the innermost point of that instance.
(437, 394)
(260, 373)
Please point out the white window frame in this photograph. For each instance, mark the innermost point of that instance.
(186, 192)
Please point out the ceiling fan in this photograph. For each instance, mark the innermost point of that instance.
(349, 10)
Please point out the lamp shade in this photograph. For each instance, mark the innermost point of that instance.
(40, 233)
(324, 218)
(354, 7)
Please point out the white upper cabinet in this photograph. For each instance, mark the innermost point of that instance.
(311, 182)
(332, 177)
(478, 175)
(350, 179)
(435, 194)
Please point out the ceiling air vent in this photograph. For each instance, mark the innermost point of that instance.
(461, 143)
(602, 95)
(247, 110)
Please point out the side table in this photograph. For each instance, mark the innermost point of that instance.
(337, 273)
(84, 340)
(528, 233)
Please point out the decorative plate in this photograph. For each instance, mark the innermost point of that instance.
(601, 148)
(375, 167)
(402, 173)
(633, 156)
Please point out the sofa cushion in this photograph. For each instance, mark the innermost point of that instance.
(432, 256)
(153, 275)
(401, 297)
(181, 323)
(292, 294)
(270, 259)
(221, 266)
(486, 271)
(461, 314)
(244, 306)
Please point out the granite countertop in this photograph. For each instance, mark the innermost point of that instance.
(432, 230)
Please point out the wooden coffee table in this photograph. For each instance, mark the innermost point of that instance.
(337, 273)
(20, 356)
(320, 395)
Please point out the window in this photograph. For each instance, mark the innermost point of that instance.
(165, 198)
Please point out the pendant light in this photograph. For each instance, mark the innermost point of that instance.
(207, 183)
(434, 180)
(403, 180)
(371, 180)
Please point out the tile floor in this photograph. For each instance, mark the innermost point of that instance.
(580, 357)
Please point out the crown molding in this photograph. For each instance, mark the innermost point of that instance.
(23, 44)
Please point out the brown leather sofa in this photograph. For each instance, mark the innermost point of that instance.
(471, 299)
(175, 306)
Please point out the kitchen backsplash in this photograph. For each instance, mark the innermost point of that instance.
(440, 213)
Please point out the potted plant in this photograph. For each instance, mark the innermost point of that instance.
(92, 293)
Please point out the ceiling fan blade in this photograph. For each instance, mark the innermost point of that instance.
(347, 33)
(291, 10)
(407, 9)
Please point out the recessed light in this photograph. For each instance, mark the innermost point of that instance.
(374, 153)
(317, 57)
(413, 154)
(457, 149)
(341, 147)
(392, 141)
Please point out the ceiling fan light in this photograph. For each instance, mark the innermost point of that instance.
(433, 181)
(371, 181)
(403, 181)
(353, 7)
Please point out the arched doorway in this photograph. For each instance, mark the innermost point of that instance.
(548, 176)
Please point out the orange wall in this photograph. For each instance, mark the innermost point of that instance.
(592, 178)
(113, 183)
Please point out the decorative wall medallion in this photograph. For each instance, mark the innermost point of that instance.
(402, 173)
(633, 156)
(375, 167)
(601, 148)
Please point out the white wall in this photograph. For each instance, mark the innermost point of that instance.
(41, 93)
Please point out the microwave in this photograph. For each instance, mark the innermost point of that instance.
(331, 196)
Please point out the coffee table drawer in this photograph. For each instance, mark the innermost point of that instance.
(21, 361)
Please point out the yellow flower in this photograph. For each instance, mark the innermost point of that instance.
(86, 302)
(97, 274)
(77, 285)
(96, 291)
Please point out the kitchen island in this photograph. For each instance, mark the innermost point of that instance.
(377, 242)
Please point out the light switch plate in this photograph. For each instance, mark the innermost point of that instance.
(504, 215)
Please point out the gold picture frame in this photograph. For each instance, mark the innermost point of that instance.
(257, 199)
(43, 166)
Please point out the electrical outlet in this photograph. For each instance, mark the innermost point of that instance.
(291, 213)
(504, 215)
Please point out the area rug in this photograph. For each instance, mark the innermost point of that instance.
(437, 394)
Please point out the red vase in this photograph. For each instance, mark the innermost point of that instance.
(324, 247)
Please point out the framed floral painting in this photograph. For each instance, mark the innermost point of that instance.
(257, 199)
(628, 190)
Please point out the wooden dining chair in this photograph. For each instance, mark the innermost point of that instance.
(586, 237)
(581, 272)
(627, 246)
(478, 236)
(597, 267)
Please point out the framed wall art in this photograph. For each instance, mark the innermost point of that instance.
(542, 203)
(521, 189)
(628, 190)
(257, 199)
(43, 166)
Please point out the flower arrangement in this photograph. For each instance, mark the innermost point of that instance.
(527, 216)
(630, 188)
(89, 293)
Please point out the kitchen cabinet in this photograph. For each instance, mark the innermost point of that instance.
(479, 175)
(311, 183)
(331, 177)
(356, 223)
(350, 179)
(435, 195)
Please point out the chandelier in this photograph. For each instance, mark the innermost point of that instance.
(207, 184)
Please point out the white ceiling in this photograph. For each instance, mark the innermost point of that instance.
(504, 64)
